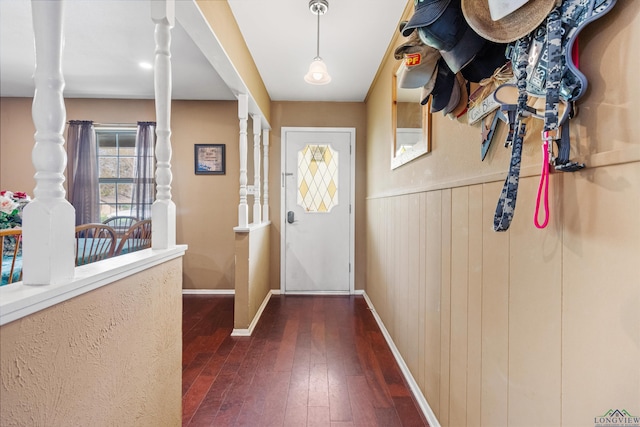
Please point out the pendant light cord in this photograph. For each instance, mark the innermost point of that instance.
(318, 35)
(318, 74)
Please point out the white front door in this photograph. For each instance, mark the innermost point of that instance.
(317, 209)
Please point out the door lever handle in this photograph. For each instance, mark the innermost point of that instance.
(290, 217)
(285, 174)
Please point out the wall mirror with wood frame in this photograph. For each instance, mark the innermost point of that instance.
(411, 123)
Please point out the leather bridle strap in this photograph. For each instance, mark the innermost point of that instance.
(551, 123)
(507, 201)
(554, 71)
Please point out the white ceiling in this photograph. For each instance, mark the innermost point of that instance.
(106, 39)
(104, 42)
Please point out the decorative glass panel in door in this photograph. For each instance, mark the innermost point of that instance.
(317, 178)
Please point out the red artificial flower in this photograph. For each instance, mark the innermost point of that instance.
(19, 195)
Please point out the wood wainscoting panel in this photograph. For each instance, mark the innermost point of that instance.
(402, 328)
(390, 262)
(412, 309)
(376, 254)
(601, 293)
(474, 331)
(422, 292)
(495, 315)
(433, 297)
(535, 296)
(459, 312)
(445, 309)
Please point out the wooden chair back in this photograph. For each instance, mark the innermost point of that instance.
(120, 224)
(137, 237)
(94, 242)
(11, 250)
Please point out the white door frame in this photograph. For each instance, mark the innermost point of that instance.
(352, 198)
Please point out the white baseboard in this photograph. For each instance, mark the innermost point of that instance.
(324, 293)
(208, 292)
(413, 385)
(247, 332)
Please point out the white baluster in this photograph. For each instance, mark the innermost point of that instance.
(257, 209)
(243, 115)
(163, 211)
(49, 220)
(265, 185)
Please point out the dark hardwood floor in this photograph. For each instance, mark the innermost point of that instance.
(311, 361)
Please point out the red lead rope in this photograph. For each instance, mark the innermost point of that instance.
(544, 185)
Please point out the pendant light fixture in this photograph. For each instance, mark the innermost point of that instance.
(318, 74)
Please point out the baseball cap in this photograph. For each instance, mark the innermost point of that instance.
(425, 13)
(418, 67)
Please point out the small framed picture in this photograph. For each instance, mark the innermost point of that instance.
(209, 159)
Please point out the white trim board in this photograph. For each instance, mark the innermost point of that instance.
(208, 292)
(413, 385)
(248, 331)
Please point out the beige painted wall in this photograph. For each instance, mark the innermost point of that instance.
(16, 143)
(252, 275)
(528, 327)
(220, 17)
(206, 205)
(112, 356)
(317, 114)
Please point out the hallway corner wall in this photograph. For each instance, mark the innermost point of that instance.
(528, 326)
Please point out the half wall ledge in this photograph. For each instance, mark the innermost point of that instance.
(18, 300)
(251, 227)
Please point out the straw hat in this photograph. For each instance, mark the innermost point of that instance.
(510, 28)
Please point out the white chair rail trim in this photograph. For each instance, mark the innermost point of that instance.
(18, 300)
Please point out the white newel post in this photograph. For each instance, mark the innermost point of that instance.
(265, 185)
(243, 115)
(257, 208)
(49, 219)
(163, 211)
